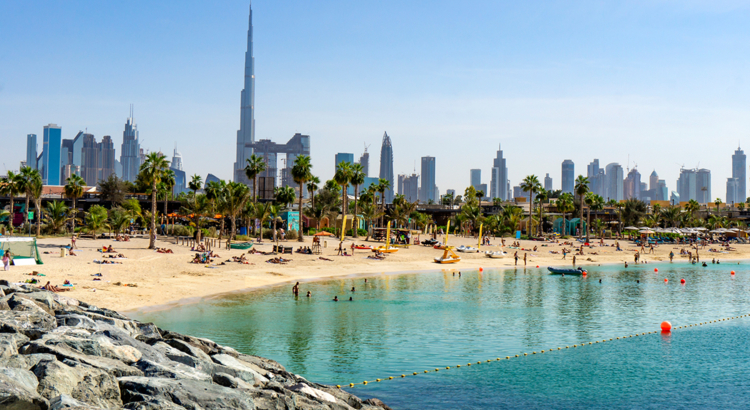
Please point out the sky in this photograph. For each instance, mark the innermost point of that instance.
(653, 84)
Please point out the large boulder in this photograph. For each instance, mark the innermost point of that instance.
(16, 395)
(84, 383)
(63, 352)
(66, 402)
(243, 370)
(191, 394)
(25, 317)
(10, 343)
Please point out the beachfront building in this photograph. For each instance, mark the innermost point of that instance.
(51, 144)
(428, 190)
(613, 177)
(694, 184)
(548, 183)
(246, 133)
(130, 150)
(568, 176)
(386, 166)
(631, 187)
(408, 186)
(739, 172)
(31, 150)
(499, 185)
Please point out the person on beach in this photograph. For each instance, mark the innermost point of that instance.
(671, 256)
(564, 252)
(515, 256)
(524, 259)
(73, 242)
(6, 261)
(352, 248)
(574, 260)
(341, 248)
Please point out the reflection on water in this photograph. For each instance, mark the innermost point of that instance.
(404, 323)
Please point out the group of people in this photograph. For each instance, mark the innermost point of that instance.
(204, 257)
(163, 250)
(122, 238)
(305, 250)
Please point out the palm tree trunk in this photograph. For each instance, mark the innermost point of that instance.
(12, 214)
(26, 210)
(75, 213)
(152, 233)
(38, 206)
(580, 235)
(356, 210)
(588, 223)
(255, 189)
(299, 211)
(231, 234)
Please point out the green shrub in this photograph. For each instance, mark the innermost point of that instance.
(241, 238)
(291, 234)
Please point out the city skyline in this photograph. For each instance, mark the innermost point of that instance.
(668, 118)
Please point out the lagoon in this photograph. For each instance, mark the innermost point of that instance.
(410, 322)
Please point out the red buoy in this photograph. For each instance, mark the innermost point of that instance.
(537, 266)
(666, 280)
(666, 327)
(682, 281)
(732, 272)
(656, 270)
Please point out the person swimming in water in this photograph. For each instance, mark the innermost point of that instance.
(335, 298)
(309, 294)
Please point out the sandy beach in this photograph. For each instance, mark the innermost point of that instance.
(161, 279)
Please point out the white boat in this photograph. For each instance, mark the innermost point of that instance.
(497, 254)
(467, 249)
(448, 257)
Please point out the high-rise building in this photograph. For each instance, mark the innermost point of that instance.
(386, 165)
(631, 188)
(475, 178)
(130, 151)
(246, 133)
(176, 161)
(657, 189)
(739, 172)
(31, 150)
(596, 178)
(408, 186)
(499, 185)
(653, 180)
(77, 150)
(613, 180)
(428, 188)
(90, 160)
(343, 157)
(568, 176)
(694, 184)
(548, 183)
(518, 193)
(180, 178)
(364, 160)
(51, 154)
(268, 150)
(733, 185)
(106, 156)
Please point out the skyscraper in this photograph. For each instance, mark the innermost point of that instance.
(568, 176)
(386, 165)
(51, 154)
(408, 186)
(703, 186)
(246, 133)
(548, 183)
(106, 156)
(733, 185)
(180, 179)
(694, 184)
(475, 178)
(364, 160)
(739, 172)
(343, 157)
(31, 151)
(596, 178)
(499, 186)
(653, 180)
(427, 190)
(613, 180)
(90, 160)
(632, 185)
(130, 151)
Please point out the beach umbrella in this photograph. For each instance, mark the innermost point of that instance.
(647, 231)
(323, 233)
(630, 228)
(643, 227)
(700, 229)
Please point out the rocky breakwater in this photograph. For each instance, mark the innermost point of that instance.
(60, 353)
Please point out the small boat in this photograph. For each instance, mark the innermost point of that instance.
(448, 256)
(495, 255)
(558, 271)
(467, 249)
(362, 247)
(440, 246)
(383, 249)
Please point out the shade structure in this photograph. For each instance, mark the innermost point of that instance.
(630, 228)
(323, 233)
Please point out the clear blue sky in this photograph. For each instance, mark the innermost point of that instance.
(663, 81)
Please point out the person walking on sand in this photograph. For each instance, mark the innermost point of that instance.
(524, 259)
(671, 256)
(574, 260)
(515, 256)
(564, 252)
(6, 261)
(341, 248)
(352, 248)
(73, 242)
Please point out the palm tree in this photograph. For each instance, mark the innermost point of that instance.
(312, 186)
(285, 195)
(96, 219)
(234, 196)
(196, 207)
(152, 171)
(119, 219)
(541, 196)
(671, 215)
(168, 183)
(255, 166)
(692, 207)
(27, 174)
(10, 186)
(56, 214)
(74, 190)
(581, 188)
(564, 205)
(34, 189)
(301, 173)
(195, 183)
(717, 202)
(342, 177)
(382, 186)
(214, 191)
(594, 202)
(358, 178)
(531, 185)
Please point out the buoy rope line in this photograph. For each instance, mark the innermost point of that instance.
(524, 354)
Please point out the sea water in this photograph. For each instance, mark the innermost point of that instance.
(404, 323)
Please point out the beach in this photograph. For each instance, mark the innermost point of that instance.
(147, 279)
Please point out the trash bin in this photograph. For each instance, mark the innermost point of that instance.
(243, 230)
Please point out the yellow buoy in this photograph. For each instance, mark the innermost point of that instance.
(351, 384)
(507, 357)
(403, 375)
(377, 380)
(426, 371)
(364, 382)
(390, 377)
(338, 386)
(415, 373)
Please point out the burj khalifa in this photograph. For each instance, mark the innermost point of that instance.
(246, 133)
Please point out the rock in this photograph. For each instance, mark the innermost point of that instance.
(190, 394)
(120, 338)
(189, 349)
(64, 401)
(10, 343)
(25, 361)
(33, 323)
(85, 383)
(63, 352)
(171, 370)
(153, 404)
(21, 376)
(313, 392)
(16, 396)
(244, 371)
(377, 403)
(223, 379)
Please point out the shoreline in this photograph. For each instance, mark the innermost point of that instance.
(164, 281)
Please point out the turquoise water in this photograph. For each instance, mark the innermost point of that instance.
(402, 323)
